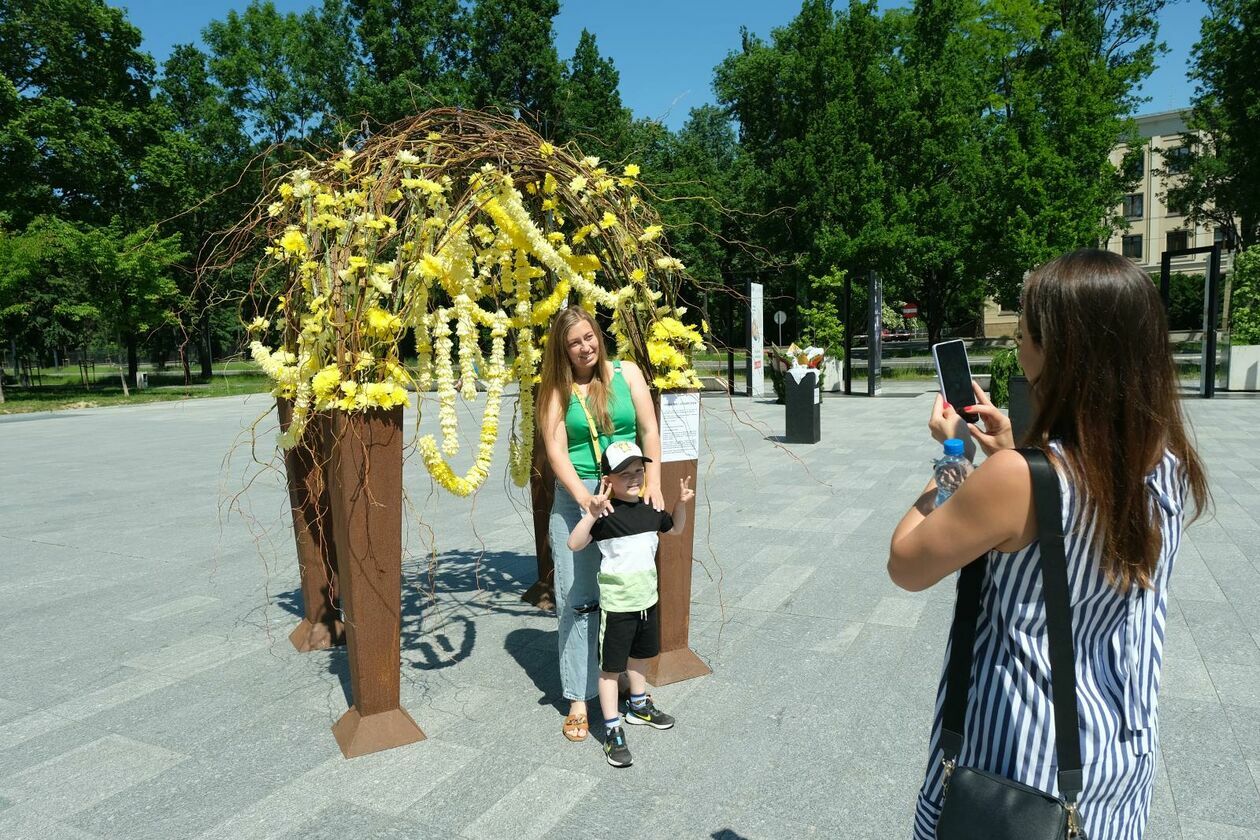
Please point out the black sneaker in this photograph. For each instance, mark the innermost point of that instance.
(648, 715)
(615, 749)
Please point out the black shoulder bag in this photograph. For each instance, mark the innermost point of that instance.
(984, 806)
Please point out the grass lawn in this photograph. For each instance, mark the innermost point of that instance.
(67, 391)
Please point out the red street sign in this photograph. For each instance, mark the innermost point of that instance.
(910, 310)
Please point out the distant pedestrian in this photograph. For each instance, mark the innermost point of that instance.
(1107, 414)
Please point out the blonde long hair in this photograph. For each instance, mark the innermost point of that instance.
(557, 371)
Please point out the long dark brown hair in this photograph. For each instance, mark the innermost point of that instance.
(1108, 392)
(557, 372)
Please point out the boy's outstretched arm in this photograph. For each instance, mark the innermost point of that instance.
(685, 495)
(581, 536)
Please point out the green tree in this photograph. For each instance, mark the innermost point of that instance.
(514, 60)
(1245, 297)
(75, 115)
(816, 107)
(1067, 76)
(62, 284)
(590, 102)
(284, 74)
(198, 183)
(42, 304)
(693, 176)
(415, 55)
(1221, 185)
(936, 174)
(821, 322)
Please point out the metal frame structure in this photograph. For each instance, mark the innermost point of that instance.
(1211, 313)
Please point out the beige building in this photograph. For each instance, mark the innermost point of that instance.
(1153, 227)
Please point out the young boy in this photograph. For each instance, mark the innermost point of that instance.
(626, 529)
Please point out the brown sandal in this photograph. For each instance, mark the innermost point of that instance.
(578, 725)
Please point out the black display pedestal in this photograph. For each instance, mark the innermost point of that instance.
(803, 406)
(1019, 403)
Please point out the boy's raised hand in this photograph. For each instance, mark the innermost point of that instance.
(685, 493)
(600, 504)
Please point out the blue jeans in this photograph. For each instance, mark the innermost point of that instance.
(577, 588)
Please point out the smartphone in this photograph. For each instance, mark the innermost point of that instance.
(953, 372)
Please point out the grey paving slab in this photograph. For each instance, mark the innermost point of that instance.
(151, 691)
(338, 820)
(182, 801)
(1220, 634)
(533, 807)
(1245, 722)
(86, 775)
(1192, 829)
(25, 824)
(1236, 685)
(1163, 823)
(1209, 776)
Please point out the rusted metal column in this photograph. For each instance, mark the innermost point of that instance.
(321, 626)
(365, 468)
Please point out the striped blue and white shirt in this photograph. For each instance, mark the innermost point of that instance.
(1118, 638)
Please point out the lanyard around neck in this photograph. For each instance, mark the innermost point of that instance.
(590, 423)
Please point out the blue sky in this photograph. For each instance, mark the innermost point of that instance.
(666, 50)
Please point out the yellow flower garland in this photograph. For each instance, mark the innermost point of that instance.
(368, 248)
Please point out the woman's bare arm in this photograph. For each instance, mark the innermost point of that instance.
(992, 509)
(556, 441)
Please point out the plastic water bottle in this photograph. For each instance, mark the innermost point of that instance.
(951, 469)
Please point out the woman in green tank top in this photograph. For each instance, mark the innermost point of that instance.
(586, 402)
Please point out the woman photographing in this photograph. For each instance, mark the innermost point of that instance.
(586, 402)
(1107, 415)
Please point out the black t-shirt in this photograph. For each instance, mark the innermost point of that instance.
(627, 540)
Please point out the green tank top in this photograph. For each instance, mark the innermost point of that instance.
(620, 411)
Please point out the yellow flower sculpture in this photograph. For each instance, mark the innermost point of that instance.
(470, 232)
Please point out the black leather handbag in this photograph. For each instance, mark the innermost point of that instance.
(979, 805)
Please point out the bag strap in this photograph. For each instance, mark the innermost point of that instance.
(1054, 588)
(1047, 504)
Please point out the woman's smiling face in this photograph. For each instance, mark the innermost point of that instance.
(582, 345)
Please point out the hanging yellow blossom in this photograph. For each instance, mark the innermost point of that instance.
(293, 242)
(382, 324)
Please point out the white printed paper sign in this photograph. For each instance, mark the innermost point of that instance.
(680, 426)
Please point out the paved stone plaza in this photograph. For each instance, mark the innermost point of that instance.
(149, 690)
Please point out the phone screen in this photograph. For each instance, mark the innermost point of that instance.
(954, 374)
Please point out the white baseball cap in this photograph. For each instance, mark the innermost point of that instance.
(619, 455)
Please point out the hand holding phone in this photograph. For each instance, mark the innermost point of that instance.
(953, 374)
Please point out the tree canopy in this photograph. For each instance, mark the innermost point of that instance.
(951, 145)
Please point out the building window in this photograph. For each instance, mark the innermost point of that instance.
(1131, 246)
(1133, 206)
(1178, 240)
(1134, 166)
(1177, 159)
(1224, 236)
